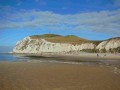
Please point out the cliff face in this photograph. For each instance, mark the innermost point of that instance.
(31, 45)
(109, 44)
(60, 44)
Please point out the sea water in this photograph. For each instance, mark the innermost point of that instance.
(5, 57)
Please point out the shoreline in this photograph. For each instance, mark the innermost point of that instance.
(82, 58)
(103, 56)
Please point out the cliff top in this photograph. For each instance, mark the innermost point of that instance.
(63, 39)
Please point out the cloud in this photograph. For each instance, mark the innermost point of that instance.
(103, 21)
(116, 3)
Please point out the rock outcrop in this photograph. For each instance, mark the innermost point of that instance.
(109, 45)
(30, 45)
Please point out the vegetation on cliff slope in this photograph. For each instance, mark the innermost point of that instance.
(64, 39)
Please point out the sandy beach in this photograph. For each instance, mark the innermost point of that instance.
(57, 76)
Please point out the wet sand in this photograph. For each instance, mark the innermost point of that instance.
(91, 56)
(75, 56)
(56, 76)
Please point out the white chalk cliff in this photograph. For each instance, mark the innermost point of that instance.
(41, 44)
(109, 44)
(30, 45)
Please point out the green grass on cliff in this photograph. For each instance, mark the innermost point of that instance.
(63, 39)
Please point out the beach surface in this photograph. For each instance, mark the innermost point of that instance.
(57, 76)
(77, 56)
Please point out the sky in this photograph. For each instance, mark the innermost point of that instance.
(90, 19)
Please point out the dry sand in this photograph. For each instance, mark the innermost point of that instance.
(51, 76)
